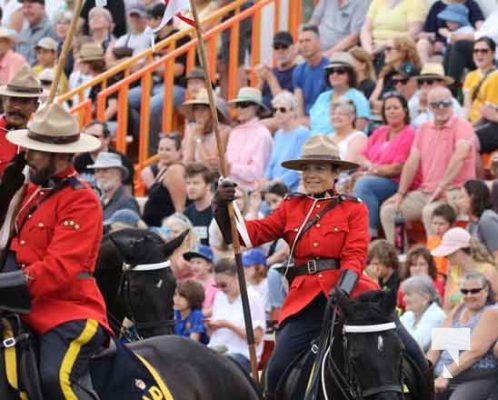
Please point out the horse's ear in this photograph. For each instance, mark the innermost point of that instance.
(173, 244)
(390, 300)
(344, 303)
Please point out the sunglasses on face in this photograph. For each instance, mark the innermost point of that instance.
(403, 81)
(220, 286)
(429, 82)
(441, 104)
(244, 104)
(337, 71)
(471, 291)
(283, 110)
(482, 51)
(280, 47)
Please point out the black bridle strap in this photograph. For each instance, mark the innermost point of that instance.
(166, 323)
(382, 389)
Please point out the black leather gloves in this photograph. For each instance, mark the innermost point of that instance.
(225, 194)
(347, 282)
(13, 178)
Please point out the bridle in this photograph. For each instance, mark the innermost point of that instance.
(124, 290)
(355, 329)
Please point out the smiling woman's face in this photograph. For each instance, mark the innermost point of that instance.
(318, 177)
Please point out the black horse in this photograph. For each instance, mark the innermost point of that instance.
(136, 280)
(361, 357)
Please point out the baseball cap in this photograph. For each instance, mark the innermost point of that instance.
(453, 240)
(126, 217)
(137, 9)
(46, 43)
(202, 251)
(408, 70)
(253, 257)
(283, 38)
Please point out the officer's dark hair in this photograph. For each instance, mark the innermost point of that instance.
(446, 212)
(199, 168)
(226, 265)
(384, 252)
(310, 28)
(193, 292)
(105, 128)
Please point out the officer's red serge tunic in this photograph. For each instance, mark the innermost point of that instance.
(7, 149)
(341, 233)
(57, 248)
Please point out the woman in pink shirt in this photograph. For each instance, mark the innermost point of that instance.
(383, 157)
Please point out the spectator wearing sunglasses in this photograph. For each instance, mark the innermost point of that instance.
(431, 76)
(401, 63)
(339, 23)
(287, 141)
(250, 143)
(444, 150)
(340, 75)
(474, 377)
(272, 81)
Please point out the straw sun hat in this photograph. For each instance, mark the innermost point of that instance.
(187, 108)
(434, 71)
(321, 150)
(23, 84)
(91, 52)
(53, 130)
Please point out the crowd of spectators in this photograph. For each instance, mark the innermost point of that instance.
(406, 91)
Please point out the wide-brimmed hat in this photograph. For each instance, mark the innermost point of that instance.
(455, 12)
(202, 251)
(91, 52)
(23, 84)
(106, 159)
(453, 240)
(6, 33)
(187, 108)
(250, 95)
(340, 59)
(319, 149)
(434, 71)
(53, 130)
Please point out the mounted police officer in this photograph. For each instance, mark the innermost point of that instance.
(328, 237)
(55, 241)
(20, 101)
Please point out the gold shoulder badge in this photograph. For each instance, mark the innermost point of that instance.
(71, 223)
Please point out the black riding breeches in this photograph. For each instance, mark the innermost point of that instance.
(65, 353)
(294, 335)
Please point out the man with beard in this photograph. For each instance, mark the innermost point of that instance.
(57, 235)
(20, 100)
(109, 175)
(199, 182)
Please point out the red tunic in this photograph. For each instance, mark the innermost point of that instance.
(7, 149)
(341, 233)
(57, 248)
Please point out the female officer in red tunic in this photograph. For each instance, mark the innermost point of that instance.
(57, 236)
(328, 237)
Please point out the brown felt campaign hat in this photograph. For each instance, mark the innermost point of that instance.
(319, 149)
(53, 130)
(23, 84)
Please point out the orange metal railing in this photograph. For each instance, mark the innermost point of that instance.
(144, 75)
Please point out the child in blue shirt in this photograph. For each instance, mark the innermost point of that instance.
(188, 299)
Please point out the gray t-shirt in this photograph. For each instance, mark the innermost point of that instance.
(335, 23)
(486, 230)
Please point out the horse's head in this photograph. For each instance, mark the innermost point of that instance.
(373, 349)
(148, 284)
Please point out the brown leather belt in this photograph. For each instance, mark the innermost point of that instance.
(314, 266)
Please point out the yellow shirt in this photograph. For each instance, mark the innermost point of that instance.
(389, 22)
(63, 86)
(488, 92)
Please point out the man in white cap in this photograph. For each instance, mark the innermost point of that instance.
(54, 247)
(20, 101)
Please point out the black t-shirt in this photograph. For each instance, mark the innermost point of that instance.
(178, 80)
(200, 220)
(83, 160)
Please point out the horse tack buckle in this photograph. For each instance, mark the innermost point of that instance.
(9, 342)
(312, 267)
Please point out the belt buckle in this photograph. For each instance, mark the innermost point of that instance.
(312, 267)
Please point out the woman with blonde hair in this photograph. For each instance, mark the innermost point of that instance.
(365, 72)
(465, 255)
(401, 58)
